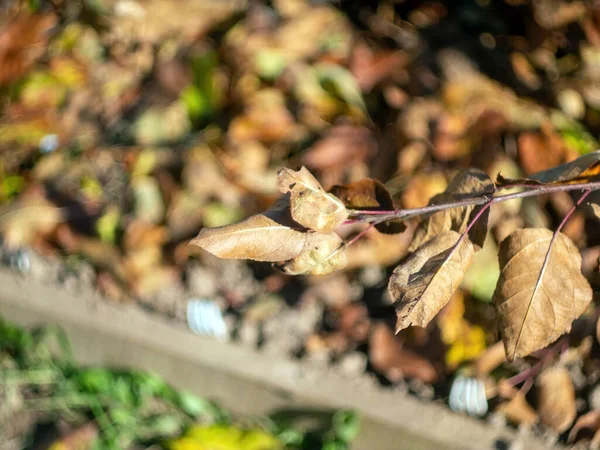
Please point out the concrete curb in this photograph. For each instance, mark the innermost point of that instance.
(243, 380)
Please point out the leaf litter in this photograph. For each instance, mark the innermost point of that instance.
(128, 129)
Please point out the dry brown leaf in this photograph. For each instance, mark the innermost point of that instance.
(310, 205)
(371, 195)
(582, 169)
(536, 301)
(343, 145)
(518, 410)
(388, 357)
(589, 421)
(22, 42)
(259, 238)
(378, 249)
(269, 236)
(26, 219)
(540, 151)
(490, 359)
(556, 407)
(322, 254)
(466, 184)
(426, 281)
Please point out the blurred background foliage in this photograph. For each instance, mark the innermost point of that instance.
(128, 125)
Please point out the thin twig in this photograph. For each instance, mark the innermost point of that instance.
(404, 214)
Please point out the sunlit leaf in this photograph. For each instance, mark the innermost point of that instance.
(538, 296)
(425, 282)
(310, 205)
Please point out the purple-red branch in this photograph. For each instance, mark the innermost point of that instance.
(480, 200)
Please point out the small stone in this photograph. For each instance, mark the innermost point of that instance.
(423, 390)
(249, 334)
(352, 364)
(371, 276)
(594, 398)
(318, 359)
(86, 273)
(497, 420)
(572, 103)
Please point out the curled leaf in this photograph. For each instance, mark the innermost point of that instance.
(426, 281)
(322, 254)
(556, 399)
(370, 195)
(582, 169)
(310, 205)
(263, 237)
(466, 184)
(590, 422)
(538, 295)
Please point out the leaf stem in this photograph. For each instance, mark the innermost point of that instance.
(404, 214)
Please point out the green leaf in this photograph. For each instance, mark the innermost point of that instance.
(96, 380)
(346, 425)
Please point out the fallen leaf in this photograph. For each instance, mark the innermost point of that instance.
(310, 205)
(370, 195)
(466, 184)
(343, 145)
(518, 410)
(27, 219)
(388, 357)
(538, 297)
(322, 254)
(425, 282)
(582, 169)
(22, 42)
(379, 249)
(490, 359)
(589, 421)
(540, 151)
(556, 393)
(422, 187)
(464, 340)
(263, 237)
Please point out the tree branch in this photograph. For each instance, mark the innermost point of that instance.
(404, 214)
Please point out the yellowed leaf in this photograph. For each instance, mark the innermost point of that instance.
(311, 206)
(538, 297)
(466, 184)
(322, 254)
(556, 399)
(425, 282)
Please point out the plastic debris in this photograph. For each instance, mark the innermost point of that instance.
(205, 318)
(467, 395)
